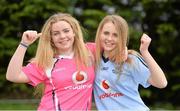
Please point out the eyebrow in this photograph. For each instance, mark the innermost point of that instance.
(62, 29)
(66, 29)
(54, 31)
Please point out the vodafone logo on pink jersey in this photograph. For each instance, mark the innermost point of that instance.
(79, 77)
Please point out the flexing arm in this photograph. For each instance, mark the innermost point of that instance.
(157, 77)
(14, 73)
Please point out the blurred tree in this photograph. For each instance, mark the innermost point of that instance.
(158, 18)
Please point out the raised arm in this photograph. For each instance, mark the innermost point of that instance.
(157, 77)
(14, 72)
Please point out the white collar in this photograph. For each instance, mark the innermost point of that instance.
(70, 56)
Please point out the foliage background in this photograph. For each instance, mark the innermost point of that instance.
(158, 18)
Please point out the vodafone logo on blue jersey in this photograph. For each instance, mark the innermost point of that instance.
(105, 85)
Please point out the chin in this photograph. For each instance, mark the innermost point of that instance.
(108, 49)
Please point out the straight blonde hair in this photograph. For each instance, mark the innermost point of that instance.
(46, 49)
(117, 54)
(122, 28)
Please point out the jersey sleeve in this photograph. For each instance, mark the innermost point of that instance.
(34, 73)
(140, 71)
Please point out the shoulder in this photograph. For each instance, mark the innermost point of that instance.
(91, 46)
(136, 59)
(33, 67)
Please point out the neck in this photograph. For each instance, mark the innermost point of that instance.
(65, 53)
(106, 54)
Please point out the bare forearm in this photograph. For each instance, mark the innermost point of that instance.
(15, 64)
(14, 72)
(157, 77)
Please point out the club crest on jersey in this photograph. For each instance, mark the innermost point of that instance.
(104, 68)
(79, 77)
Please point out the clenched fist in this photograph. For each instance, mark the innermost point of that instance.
(145, 42)
(29, 37)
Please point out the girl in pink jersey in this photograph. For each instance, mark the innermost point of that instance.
(63, 63)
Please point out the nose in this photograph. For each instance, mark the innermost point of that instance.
(62, 36)
(110, 37)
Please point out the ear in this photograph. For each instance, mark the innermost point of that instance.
(125, 54)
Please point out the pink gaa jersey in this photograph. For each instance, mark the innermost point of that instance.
(72, 87)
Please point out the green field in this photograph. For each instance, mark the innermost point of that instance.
(33, 104)
(18, 104)
(22, 105)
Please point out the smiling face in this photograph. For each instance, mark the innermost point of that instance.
(63, 37)
(108, 38)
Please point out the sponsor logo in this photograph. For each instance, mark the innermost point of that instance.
(59, 69)
(104, 68)
(105, 95)
(105, 85)
(79, 77)
(79, 87)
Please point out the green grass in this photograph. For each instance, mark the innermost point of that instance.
(23, 105)
(33, 104)
(18, 105)
(14, 106)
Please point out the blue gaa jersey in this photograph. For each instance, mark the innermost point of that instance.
(120, 93)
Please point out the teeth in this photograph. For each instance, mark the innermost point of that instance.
(63, 41)
(107, 43)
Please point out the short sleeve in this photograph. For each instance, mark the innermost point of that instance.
(34, 73)
(140, 71)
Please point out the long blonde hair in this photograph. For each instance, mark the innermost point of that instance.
(122, 28)
(46, 50)
(117, 54)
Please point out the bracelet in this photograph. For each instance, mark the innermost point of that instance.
(24, 45)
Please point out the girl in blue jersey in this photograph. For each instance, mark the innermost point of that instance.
(120, 71)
